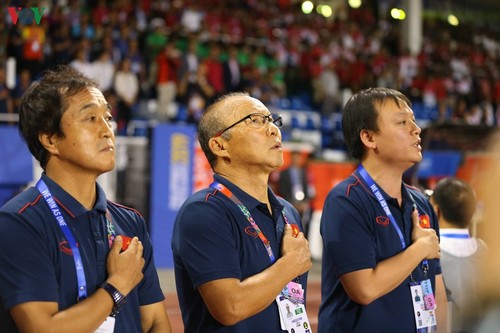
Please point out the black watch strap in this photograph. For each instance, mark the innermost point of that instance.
(116, 295)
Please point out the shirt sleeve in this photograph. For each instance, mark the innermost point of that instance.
(26, 268)
(348, 237)
(206, 243)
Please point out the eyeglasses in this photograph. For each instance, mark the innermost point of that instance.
(258, 120)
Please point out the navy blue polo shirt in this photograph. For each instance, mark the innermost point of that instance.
(357, 234)
(36, 261)
(212, 240)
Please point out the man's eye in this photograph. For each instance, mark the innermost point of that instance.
(257, 120)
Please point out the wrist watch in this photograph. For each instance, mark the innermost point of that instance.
(118, 298)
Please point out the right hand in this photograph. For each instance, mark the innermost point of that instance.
(125, 268)
(427, 238)
(296, 250)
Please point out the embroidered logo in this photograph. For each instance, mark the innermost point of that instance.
(250, 231)
(382, 220)
(65, 248)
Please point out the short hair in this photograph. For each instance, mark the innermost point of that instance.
(361, 112)
(44, 103)
(456, 201)
(211, 122)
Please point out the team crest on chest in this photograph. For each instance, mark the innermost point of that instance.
(250, 231)
(382, 220)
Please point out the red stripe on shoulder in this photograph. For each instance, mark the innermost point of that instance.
(29, 204)
(351, 185)
(124, 207)
(34, 202)
(210, 194)
(412, 187)
(64, 207)
(359, 182)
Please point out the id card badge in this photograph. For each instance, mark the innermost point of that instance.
(294, 291)
(293, 316)
(430, 302)
(108, 326)
(424, 310)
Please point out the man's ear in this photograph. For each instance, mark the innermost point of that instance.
(218, 146)
(367, 139)
(49, 142)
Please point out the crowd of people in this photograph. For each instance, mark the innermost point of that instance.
(89, 264)
(167, 60)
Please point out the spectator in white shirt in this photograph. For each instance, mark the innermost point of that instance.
(454, 201)
(126, 87)
(103, 71)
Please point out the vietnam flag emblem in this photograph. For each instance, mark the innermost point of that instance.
(425, 221)
(295, 229)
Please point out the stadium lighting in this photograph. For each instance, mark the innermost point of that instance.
(453, 20)
(307, 7)
(325, 10)
(398, 14)
(355, 3)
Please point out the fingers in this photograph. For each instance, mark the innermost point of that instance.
(117, 244)
(414, 217)
(293, 231)
(135, 247)
(288, 230)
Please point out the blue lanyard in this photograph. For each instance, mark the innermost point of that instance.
(463, 236)
(373, 187)
(376, 192)
(80, 273)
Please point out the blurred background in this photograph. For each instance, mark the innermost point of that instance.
(160, 62)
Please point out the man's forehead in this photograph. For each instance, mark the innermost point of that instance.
(243, 105)
(398, 107)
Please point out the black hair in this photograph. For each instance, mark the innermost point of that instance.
(456, 201)
(44, 103)
(361, 112)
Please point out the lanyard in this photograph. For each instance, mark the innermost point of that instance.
(452, 235)
(373, 187)
(110, 229)
(224, 190)
(376, 192)
(80, 273)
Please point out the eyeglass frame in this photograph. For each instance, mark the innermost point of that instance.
(278, 122)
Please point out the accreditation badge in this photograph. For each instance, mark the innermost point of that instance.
(293, 316)
(424, 306)
(108, 326)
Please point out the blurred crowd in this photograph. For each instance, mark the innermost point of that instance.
(165, 60)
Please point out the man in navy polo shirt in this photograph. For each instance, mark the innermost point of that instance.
(379, 234)
(70, 260)
(239, 251)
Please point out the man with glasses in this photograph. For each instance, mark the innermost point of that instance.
(239, 251)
